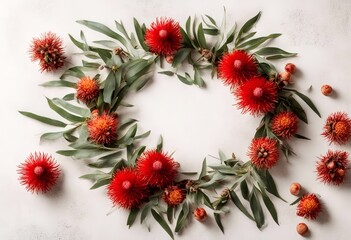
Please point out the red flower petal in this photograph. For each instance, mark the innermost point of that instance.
(337, 128)
(157, 169)
(103, 129)
(257, 96)
(263, 152)
(285, 124)
(309, 207)
(237, 67)
(39, 173)
(87, 89)
(127, 189)
(163, 37)
(48, 51)
(331, 168)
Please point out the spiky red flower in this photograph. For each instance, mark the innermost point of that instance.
(285, 124)
(257, 96)
(87, 89)
(127, 189)
(263, 152)
(103, 128)
(164, 37)
(309, 207)
(331, 168)
(173, 196)
(39, 173)
(157, 168)
(337, 128)
(237, 67)
(48, 51)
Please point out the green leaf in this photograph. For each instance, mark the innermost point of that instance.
(296, 201)
(76, 42)
(63, 113)
(59, 83)
(170, 214)
(162, 222)
(182, 218)
(72, 108)
(69, 97)
(218, 221)
(307, 100)
(140, 34)
(239, 205)
(297, 109)
(267, 51)
(301, 137)
(132, 216)
(180, 56)
(203, 169)
(244, 190)
(168, 73)
(226, 170)
(256, 209)
(55, 135)
(201, 36)
(198, 79)
(269, 204)
(248, 25)
(110, 85)
(81, 153)
(101, 182)
(103, 29)
(73, 72)
(107, 43)
(159, 144)
(42, 119)
(254, 43)
(271, 187)
(185, 80)
(206, 199)
(137, 70)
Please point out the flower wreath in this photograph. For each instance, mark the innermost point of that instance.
(149, 182)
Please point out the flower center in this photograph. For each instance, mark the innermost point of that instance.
(163, 33)
(157, 165)
(237, 64)
(340, 128)
(38, 170)
(258, 92)
(262, 153)
(126, 185)
(310, 204)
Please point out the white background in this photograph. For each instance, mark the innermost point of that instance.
(195, 122)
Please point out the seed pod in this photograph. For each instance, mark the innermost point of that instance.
(302, 228)
(326, 90)
(295, 189)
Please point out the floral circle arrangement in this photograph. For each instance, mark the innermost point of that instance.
(148, 182)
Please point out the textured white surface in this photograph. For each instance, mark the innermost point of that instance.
(194, 122)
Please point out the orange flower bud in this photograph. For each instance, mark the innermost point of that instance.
(326, 90)
(290, 67)
(302, 228)
(295, 189)
(200, 214)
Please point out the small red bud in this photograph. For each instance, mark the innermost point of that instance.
(169, 59)
(200, 214)
(302, 228)
(326, 90)
(295, 189)
(290, 67)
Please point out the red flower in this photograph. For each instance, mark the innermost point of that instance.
(48, 51)
(173, 196)
(263, 152)
(257, 96)
(285, 124)
(39, 173)
(127, 189)
(337, 128)
(87, 89)
(164, 36)
(331, 168)
(237, 67)
(157, 168)
(200, 214)
(103, 129)
(309, 207)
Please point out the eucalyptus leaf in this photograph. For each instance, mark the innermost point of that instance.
(63, 113)
(45, 120)
(162, 222)
(133, 213)
(59, 83)
(256, 209)
(234, 197)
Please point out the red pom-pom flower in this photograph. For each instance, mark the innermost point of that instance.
(39, 173)
(257, 96)
(103, 128)
(337, 128)
(173, 196)
(309, 207)
(237, 67)
(164, 37)
(127, 189)
(157, 168)
(48, 51)
(285, 124)
(331, 168)
(87, 89)
(263, 152)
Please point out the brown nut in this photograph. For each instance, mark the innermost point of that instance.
(295, 189)
(326, 89)
(302, 228)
